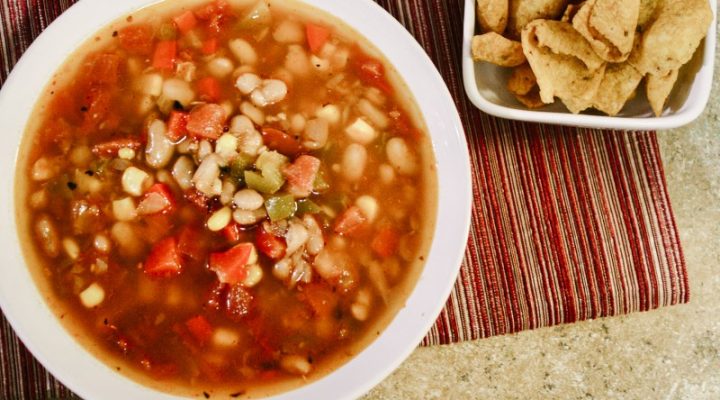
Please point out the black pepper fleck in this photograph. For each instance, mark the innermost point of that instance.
(206, 394)
(115, 33)
(89, 173)
(237, 394)
(72, 185)
(83, 109)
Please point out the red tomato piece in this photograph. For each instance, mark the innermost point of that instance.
(165, 55)
(281, 142)
(386, 242)
(320, 298)
(231, 265)
(160, 192)
(163, 260)
(301, 175)
(209, 89)
(232, 232)
(137, 39)
(317, 36)
(269, 244)
(111, 148)
(185, 22)
(98, 102)
(200, 329)
(351, 222)
(191, 244)
(206, 121)
(372, 72)
(105, 69)
(209, 46)
(198, 199)
(177, 126)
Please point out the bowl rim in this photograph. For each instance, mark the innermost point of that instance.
(37, 326)
(691, 110)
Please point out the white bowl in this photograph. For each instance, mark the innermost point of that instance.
(485, 86)
(38, 327)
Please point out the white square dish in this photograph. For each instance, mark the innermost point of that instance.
(485, 86)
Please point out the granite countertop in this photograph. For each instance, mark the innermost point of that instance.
(670, 353)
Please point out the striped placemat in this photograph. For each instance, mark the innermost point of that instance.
(568, 224)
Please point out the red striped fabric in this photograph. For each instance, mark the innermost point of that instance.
(568, 224)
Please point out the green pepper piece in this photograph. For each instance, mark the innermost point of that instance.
(307, 206)
(262, 184)
(238, 167)
(320, 184)
(270, 178)
(280, 207)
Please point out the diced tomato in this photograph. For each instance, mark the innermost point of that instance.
(269, 244)
(111, 148)
(200, 329)
(209, 89)
(281, 142)
(206, 121)
(351, 222)
(177, 126)
(105, 69)
(165, 55)
(232, 232)
(386, 242)
(372, 72)
(198, 199)
(185, 22)
(210, 10)
(234, 300)
(154, 227)
(137, 39)
(165, 194)
(320, 298)
(209, 46)
(231, 265)
(191, 244)
(402, 124)
(301, 175)
(317, 36)
(163, 260)
(98, 101)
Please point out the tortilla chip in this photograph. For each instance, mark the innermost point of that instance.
(492, 15)
(647, 11)
(561, 38)
(617, 87)
(522, 80)
(658, 89)
(497, 49)
(531, 99)
(672, 38)
(604, 27)
(522, 12)
(560, 75)
(616, 21)
(570, 12)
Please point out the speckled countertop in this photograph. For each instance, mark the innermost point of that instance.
(671, 353)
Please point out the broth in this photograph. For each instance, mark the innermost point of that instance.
(226, 199)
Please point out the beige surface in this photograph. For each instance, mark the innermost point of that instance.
(671, 353)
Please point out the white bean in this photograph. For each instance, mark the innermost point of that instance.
(326, 265)
(124, 234)
(241, 124)
(297, 123)
(71, 248)
(243, 51)
(282, 269)
(204, 149)
(101, 243)
(150, 84)
(178, 90)
(297, 61)
(228, 188)
(316, 134)
(353, 162)
(369, 206)
(45, 169)
(295, 364)
(387, 173)
(219, 219)
(48, 236)
(206, 175)
(134, 181)
(245, 217)
(296, 236)
(160, 148)
(81, 156)
(39, 199)
(315, 241)
(289, 31)
(361, 132)
(377, 117)
(250, 142)
(255, 114)
(270, 92)
(248, 199)
(253, 277)
(92, 296)
(247, 82)
(400, 156)
(183, 172)
(220, 67)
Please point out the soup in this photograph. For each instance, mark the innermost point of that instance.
(226, 198)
